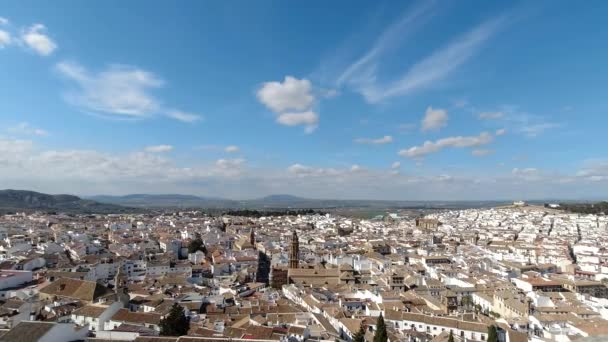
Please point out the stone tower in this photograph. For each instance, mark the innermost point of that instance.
(294, 251)
(252, 238)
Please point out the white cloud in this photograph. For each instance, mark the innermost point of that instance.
(396, 165)
(5, 39)
(227, 163)
(292, 101)
(310, 119)
(230, 167)
(26, 165)
(330, 93)
(183, 116)
(25, 128)
(594, 170)
(231, 149)
(119, 91)
(13, 148)
(35, 38)
(159, 148)
(490, 115)
(429, 147)
(300, 170)
(522, 122)
(379, 141)
(444, 178)
(501, 131)
(433, 68)
(535, 130)
(3, 21)
(480, 152)
(434, 119)
(362, 72)
(291, 94)
(526, 174)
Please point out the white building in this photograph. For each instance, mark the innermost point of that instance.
(94, 316)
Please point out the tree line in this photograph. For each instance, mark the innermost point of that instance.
(261, 213)
(585, 208)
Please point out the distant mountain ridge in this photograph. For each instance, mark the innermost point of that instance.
(166, 200)
(273, 202)
(19, 200)
(13, 200)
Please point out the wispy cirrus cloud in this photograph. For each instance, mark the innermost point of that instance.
(118, 91)
(183, 116)
(534, 130)
(362, 75)
(527, 124)
(24, 128)
(362, 71)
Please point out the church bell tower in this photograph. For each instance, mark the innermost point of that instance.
(294, 251)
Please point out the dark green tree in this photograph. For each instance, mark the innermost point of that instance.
(492, 334)
(360, 335)
(197, 245)
(381, 334)
(176, 323)
(451, 338)
(466, 301)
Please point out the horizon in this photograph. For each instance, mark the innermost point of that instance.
(384, 101)
(296, 197)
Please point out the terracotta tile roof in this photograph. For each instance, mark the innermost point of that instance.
(124, 315)
(77, 289)
(259, 332)
(90, 311)
(27, 332)
(155, 339)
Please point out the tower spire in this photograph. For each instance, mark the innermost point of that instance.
(252, 238)
(294, 252)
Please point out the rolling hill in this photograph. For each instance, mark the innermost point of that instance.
(17, 200)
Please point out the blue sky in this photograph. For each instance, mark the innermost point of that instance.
(342, 99)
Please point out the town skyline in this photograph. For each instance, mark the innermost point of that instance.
(391, 101)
